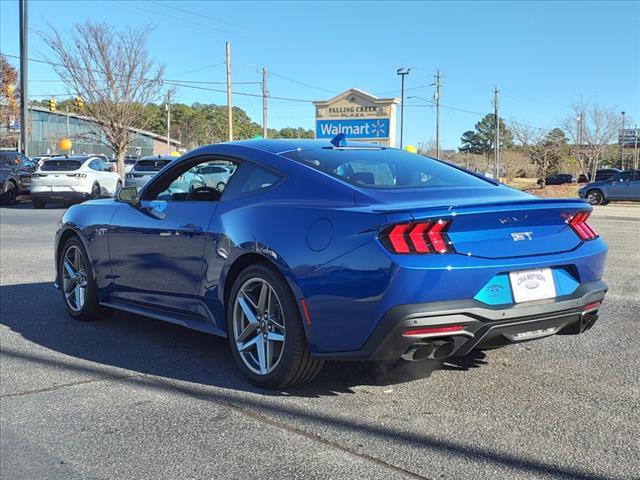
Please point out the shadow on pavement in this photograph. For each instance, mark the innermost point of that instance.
(169, 353)
(153, 347)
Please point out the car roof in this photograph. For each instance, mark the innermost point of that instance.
(159, 157)
(78, 158)
(279, 145)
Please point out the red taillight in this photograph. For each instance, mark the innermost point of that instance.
(579, 225)
(418, 237)
(432, 330)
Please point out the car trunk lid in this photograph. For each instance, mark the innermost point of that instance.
(489, 222)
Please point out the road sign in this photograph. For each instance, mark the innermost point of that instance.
(364, 128)
(629, 137)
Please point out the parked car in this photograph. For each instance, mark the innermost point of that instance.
(36, 160)
(73, 178)
(314, 251)
(606, 174)
(624, 186)
(560, 179)
(216, 174)
(15, 175)
(144, 170)
(129, 162)
(583, 178)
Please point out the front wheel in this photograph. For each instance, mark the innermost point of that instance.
(594, 197)
(95, 192)
(78, 287)
(265, 331)
(10, 193)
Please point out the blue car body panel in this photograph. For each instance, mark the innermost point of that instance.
(321, 234)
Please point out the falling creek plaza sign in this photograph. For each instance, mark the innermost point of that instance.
(359, 115)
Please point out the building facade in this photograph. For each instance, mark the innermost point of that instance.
(48, 128)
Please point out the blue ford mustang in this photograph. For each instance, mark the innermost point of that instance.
(322, 250)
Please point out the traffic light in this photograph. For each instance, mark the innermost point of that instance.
(52, 105)
(79, 103)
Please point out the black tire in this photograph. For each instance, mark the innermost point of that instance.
(221, 186)
(118, 187)
(38, 204)
(95, 192)
(295, 366)
(91, 309)
(594, 197)
(10, 193)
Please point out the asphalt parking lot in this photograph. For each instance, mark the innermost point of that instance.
(131, 397)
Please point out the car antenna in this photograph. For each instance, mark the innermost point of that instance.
(339, 140)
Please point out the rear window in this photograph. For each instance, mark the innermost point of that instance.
(150, 165)
(60, 165)
(384, 168)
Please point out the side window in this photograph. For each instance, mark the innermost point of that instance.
(626, 177)
(192, 181)
(94, 165)
(250, 178)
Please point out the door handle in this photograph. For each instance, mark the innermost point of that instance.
(190, 229)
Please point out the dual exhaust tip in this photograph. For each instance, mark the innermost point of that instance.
(432, 349)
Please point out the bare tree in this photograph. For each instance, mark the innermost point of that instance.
(592, 129)
(544, 148)
(9, 98)
(112, 72)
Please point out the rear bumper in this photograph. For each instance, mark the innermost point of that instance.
(483, 326)
(59, 196)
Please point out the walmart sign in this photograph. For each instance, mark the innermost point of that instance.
(369, 128)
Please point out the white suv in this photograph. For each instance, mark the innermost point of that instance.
(73, 178)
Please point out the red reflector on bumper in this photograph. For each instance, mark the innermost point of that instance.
(592, 306)
(428, 330)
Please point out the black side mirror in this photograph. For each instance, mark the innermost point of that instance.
(128, 195)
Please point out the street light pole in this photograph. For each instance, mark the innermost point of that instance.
(402, 72)
(24, 47)
(622, 144)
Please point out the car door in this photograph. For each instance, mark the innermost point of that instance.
(108, 179)
(634, 188)
(620, 187)
(156, 248)
(24, 171)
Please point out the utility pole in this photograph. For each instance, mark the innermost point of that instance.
(402, 72)
(167, 107)
(24, 49)
(264, 102)
(635, 150)
(437, 99)
(496, 108)
(622, 144)
(229, 106)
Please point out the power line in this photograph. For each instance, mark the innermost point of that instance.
(197, 70)
(302, 83)
(195, 14)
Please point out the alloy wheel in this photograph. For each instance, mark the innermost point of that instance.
(594, 197)
(74, 278)
(258, 326)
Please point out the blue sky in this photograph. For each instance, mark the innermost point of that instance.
(544, 56)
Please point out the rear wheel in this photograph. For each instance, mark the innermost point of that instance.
(78, 287)
(265, 331)
(10, 193)
(95, 192)
(594, 197)
(118, 187)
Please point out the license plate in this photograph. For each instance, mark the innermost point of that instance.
(529, 285)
